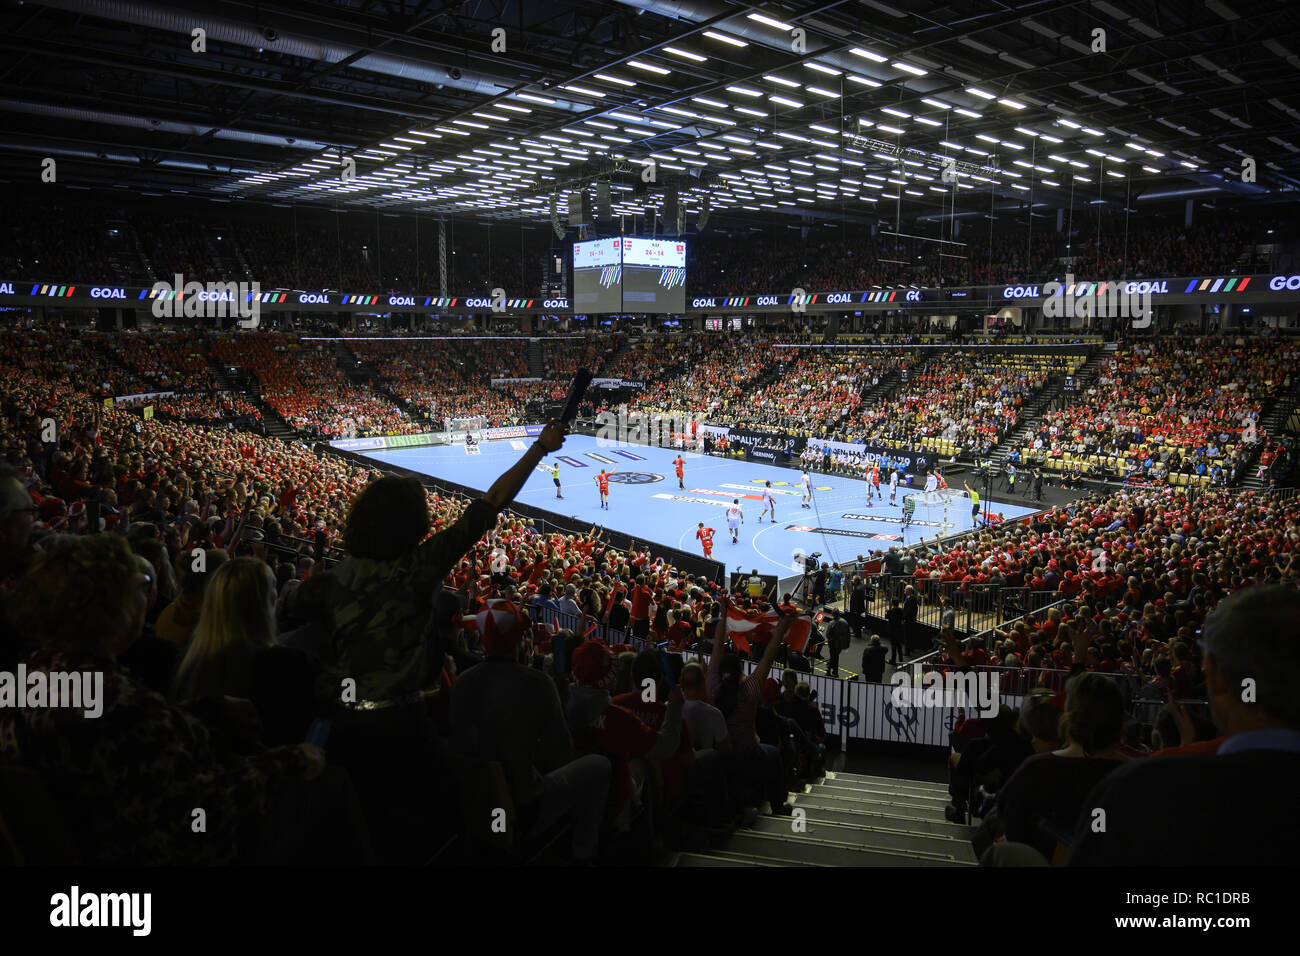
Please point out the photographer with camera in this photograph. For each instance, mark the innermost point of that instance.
(820, 580)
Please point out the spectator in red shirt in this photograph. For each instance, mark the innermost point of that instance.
(641, 597)
(646, 700)
(601, 726)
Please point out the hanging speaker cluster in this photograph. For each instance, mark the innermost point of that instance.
(556, 226)
(579, 213)
(603, 213)
(671, 212)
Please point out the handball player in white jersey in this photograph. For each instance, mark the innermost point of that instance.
(769, 503)
(931, 488)
(735, 518)
(893, 485)
(806, 481)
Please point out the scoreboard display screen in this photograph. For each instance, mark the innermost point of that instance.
(626, 275)
(598, 276)
(654, 275)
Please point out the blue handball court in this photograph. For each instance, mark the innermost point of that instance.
(646, 503)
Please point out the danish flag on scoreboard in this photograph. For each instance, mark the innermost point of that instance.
(740, 625)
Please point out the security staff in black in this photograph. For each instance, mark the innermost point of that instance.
(858, 606)
(837, 636)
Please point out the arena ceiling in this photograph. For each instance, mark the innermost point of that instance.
(909, 110)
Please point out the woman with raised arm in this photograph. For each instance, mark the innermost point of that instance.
(751, 762)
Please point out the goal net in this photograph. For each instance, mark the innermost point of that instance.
(458, 428)
(939, 509)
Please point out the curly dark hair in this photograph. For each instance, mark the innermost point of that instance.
(81, 596)
(387, 520)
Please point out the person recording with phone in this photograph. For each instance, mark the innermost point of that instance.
(386, 654)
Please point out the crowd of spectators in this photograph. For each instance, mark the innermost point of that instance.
(59, 356)
(970, 399)
(715, 374)
(216, 669)
(813, 391)
(305, 386)
(1146, 583)
(59, 242)
(746, 265)
(1170, 406)
(440, 379)
(180, 247)
(164, 361)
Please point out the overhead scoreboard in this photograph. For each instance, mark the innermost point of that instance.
(623, 274)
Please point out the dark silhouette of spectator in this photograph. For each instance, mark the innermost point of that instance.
(505, 711)
(1252, 660)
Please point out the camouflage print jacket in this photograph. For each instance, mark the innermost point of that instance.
(126, 784)
(380, 612)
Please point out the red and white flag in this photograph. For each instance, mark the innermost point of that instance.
(742, 625)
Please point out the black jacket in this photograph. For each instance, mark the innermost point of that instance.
(873, 663)
(1237, 810)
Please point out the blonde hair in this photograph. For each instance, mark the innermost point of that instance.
(237, 619)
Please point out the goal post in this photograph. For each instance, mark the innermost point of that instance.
(458, 428)
(940, 507)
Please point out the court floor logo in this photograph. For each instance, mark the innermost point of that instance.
(843, 532)
(634, 478)
(886, 519)
(724, 494)
(760, 489)
(786, 484)
(698, 501)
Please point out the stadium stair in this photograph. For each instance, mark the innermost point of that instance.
(222, 252)
(1272, 423)
(276, 426)
(536, 361)
(112, 357)
(133, 235)
(766, 377)
(245, 382)
(883, 390)
(851, 820)
(611, 358)
(1042, 402)
(357, 372)
(122, 255)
